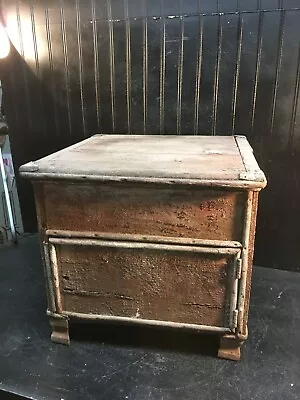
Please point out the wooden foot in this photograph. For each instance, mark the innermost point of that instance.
(60, 330)
(230, 348)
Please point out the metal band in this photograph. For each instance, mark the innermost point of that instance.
(141, 238)
(55, 275)
(243, 281)
(234, 292)
(139, 245)
(111, 318)
(239, 184)
(48, 276)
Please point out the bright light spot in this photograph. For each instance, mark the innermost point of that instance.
(4, 43)
(30, 44)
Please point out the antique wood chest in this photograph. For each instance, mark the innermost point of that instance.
(155, 230)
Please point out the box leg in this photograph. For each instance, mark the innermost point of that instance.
(60, 330)
(230, 348)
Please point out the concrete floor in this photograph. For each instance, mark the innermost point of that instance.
(124, 363)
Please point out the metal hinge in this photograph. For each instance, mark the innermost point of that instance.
(238, 268)
(235, 318)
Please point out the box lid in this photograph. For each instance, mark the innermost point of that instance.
(204, 160)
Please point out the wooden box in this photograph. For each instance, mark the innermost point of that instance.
(155, 230)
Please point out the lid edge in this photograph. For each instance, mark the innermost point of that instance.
(234, 183)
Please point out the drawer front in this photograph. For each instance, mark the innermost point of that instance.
(147, 210)
(146, 281)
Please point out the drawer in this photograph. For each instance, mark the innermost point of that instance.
(144, 281)
(160, 210)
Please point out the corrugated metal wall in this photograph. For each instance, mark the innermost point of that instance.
(214, 67)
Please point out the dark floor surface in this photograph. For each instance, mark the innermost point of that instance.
(143, 364)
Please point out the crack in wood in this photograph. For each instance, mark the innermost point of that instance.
(203, 305)
(95, 293)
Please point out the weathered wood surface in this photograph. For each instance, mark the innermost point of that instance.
(169, 285)
(230, 348)
(168, 246)
(149, 210)
(183, 157)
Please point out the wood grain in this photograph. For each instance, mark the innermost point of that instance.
(145, 283)
(146, 209)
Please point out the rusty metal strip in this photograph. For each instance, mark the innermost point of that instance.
(245, 250)
(149, 322)
(234, 291)
(47, 274)
(55, 276)
(56, 315)
(135, 245)
(142, 238)
(237, 184)
(233, 296)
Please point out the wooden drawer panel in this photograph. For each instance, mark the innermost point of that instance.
(147, 281)
(148, 210)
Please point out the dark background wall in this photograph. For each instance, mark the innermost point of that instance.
(162, 67)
